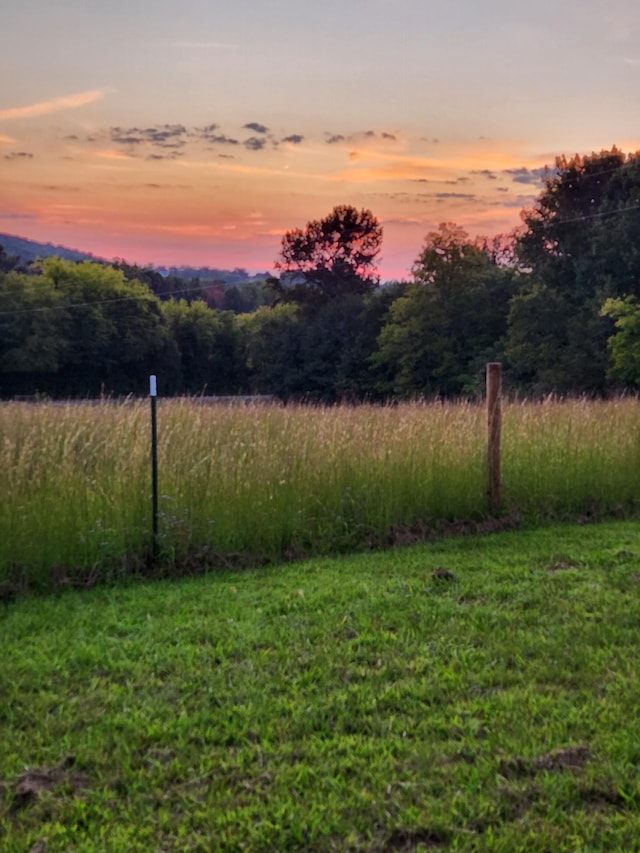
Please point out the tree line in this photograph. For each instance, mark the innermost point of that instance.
(557, 302)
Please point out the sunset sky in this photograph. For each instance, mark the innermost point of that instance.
(196, 132)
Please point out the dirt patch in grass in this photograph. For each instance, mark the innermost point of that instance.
(428, 532)
(443, 574)
(512, 804)
(404, 839)
(565, 758)
(624, 555)
(562, 564)
(515, 768)
(30, 785)
(8, 592)
(603, 796)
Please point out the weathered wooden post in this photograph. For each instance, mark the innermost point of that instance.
(494, 429)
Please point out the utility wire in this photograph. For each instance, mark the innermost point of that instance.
(114, 299)
(587, 216)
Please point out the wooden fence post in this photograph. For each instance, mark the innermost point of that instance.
(494, 429)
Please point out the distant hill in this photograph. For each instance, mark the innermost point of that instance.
(227, 277)
(30, 250)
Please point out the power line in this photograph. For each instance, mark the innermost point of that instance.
(88, 304)
(587, 216)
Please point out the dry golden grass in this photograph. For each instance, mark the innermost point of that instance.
(266, 481)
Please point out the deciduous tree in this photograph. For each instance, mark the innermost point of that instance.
(330, 257)
(451, 320)
(580, 244)
(208, 347)
(624, 344)
(114, 328)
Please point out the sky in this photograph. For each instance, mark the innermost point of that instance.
(196, 132)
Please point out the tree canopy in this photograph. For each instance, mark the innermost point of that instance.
(330, 257)
(581, 233)
(579, 244)
(450, 320)
(559, 305)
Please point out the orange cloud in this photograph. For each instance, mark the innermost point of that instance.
(113, 155)
(6, 140)
(371, 166)
(65, 102)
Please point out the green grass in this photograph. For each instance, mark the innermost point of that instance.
(247, 485)
(476, 694)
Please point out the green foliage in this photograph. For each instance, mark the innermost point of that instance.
(322, 356)
(246, 297)
(535, 303)
(32, 322)
(328, 349)
(554, 346)
(85, 329)
(580, 243)
(114, 330)
(154, 280)
(7, 262)
(449, 322)
(208, 345)
(476, 695)
(625, 343)
(271, 341)
(580, 236)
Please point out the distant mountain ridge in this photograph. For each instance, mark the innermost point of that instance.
(31, 250)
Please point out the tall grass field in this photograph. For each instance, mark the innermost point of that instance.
(258, 483)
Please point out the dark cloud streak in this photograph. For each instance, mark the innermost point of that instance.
(172, 155)
(486, 173)
(528, 176)
(462, 196)
(221, 139)
(256, 127)
(253, 143)
(161, 136)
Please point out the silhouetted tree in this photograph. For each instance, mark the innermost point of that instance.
(330, 257)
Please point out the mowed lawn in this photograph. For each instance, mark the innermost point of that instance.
(479, 693)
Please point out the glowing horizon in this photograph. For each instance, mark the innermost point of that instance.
(187, 144)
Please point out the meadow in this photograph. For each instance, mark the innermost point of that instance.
(477, 693)
(255, 484)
